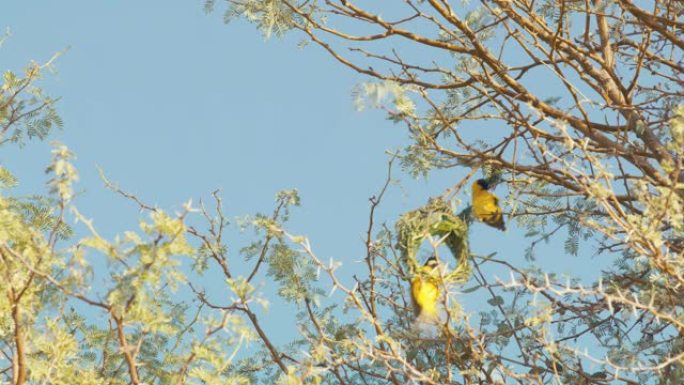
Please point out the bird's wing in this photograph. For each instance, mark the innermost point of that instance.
(492, 206)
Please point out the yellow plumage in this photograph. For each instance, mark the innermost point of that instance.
(486, 206)
(425, 290)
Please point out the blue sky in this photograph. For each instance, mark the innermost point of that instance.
(173, 104)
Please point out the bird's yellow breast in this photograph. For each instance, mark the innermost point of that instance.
(425, 294)
(485, 204)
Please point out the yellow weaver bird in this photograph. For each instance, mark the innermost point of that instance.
(486, 206)
(425, 290)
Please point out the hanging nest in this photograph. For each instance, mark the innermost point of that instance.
(435, 219)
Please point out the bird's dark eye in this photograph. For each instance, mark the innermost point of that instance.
(483, 184)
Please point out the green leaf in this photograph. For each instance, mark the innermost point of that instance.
(496, 301)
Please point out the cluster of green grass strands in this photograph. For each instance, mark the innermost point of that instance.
(436, 219)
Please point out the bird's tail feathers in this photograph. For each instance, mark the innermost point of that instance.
(426, 323)
(496, 221)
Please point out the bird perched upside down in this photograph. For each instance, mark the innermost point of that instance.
(425, 290)
(486, 206)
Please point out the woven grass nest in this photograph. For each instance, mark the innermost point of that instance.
(435, 219)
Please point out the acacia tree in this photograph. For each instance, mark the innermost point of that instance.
(578, 105)
(595, 154)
